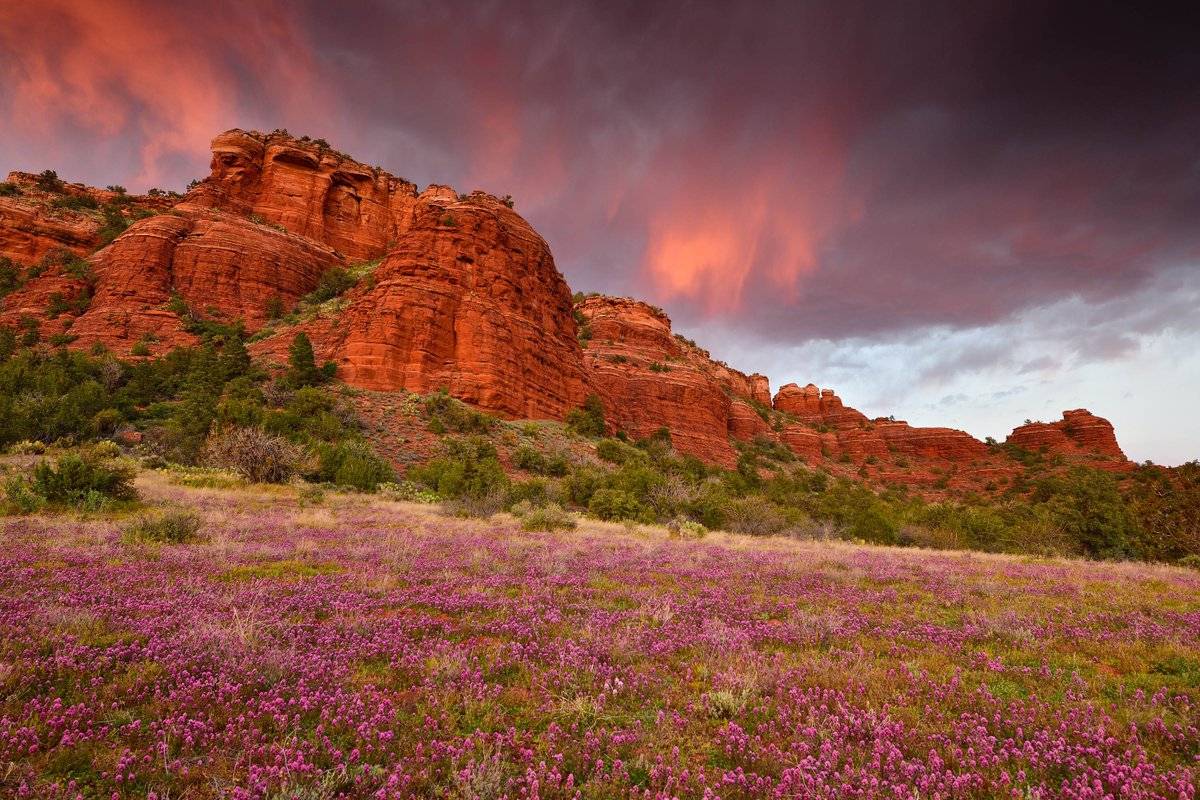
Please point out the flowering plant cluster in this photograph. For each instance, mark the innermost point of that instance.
(384, 652)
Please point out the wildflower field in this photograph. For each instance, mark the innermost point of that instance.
(369, 649)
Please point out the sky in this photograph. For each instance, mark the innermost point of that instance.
(963, 214)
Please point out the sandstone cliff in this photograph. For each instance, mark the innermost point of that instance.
(311, 190)
(469, 299)
(649, 379)
(1078, 432)
(453, 291)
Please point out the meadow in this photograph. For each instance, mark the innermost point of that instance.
(347, 646)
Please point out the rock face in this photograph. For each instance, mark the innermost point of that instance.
(827, 428)
(32, 225)
(648, 379)
(465, 296)
(224, 268)
(469, 300)
(821, 406)
(1078, 432)
(310, 190)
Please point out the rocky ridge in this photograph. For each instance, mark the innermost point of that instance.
(455, 291)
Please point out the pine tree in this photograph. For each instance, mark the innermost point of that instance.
(302, 363)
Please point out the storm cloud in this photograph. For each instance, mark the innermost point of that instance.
(1007, 188)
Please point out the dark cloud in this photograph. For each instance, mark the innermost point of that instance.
(859, 172)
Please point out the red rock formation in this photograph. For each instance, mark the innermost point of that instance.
(310, 190)
(831, 429)
(225, 268)
(1079, 432)
(649, 379)
(940, 444)
(821, 406)
(31, 226)
(469, 299)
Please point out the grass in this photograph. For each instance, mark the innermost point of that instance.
(474, 658)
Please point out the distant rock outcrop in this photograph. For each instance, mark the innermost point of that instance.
(1078, 432)
(650, 379)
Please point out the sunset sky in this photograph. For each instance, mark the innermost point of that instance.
(962, 214)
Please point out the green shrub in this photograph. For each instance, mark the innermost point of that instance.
(114, 223)
(550, 517)
(8, 189)
(617, 452)
(1087, 504)
(302, 365)
(615, 504)
(588, 420)
(48, 181)
(406, 492)
(333, 282)
(274, 308)
(684, 528)
(73, 478)
(172, 527)
(448, 414)
(19, 497)
(10, 276)
(529, 459)
(76, 202)
(468, 469)
(353, 464)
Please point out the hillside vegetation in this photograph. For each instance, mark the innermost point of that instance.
(211, 406)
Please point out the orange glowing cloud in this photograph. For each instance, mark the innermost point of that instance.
(145, 71)
(764, 229)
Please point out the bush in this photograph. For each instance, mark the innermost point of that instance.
(684, 528)
(615, 504)
(1087, 504)
(173, 527)
(529, 459)
(114, 223)
(550, 517)
(617, 452)
(256, 455)
(10, 276)
(756, 516)
(469, 469)
(406, 492)
(274, 308)
(48, 181)
(588, 420)
(78, 481)
(19, 497)
(1191, 562)
(353, 464)
(302, 364)
(333, 283)
(25, 447)
(76, 202)
(448, 414)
